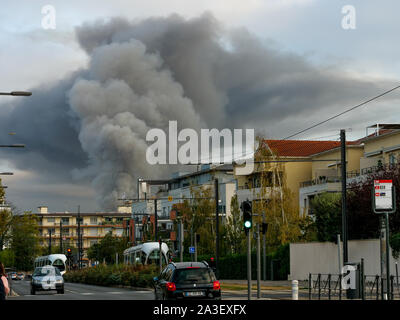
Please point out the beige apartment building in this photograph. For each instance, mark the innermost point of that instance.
(313, 167)
(63, 226)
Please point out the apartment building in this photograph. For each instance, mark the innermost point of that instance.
(365, 156)
(171, 191)
(295, 167)
(63, 226)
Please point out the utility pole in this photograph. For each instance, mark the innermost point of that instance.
(344, 191)
(195, 247)
(79, 236)
(49, 241)
(161, 255)
(248, 265)
(61, 234)
(216, 227)
(155, 221)
(258, 262)
(181, 240)
(264, 249)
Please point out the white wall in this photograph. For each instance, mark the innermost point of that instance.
(322, 257)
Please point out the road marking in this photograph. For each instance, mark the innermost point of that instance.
(72, 291)
(87, 293)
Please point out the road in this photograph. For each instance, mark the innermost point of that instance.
(77, 291)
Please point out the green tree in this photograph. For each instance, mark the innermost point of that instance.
(25, 240)
(107, 248)
(6, 219)
(327, 211)
(235, 235)
(7, 257)
(275, 200)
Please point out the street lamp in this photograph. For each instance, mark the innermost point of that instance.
(12, 146)
(16, 93)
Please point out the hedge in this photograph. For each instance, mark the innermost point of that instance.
(113, 275)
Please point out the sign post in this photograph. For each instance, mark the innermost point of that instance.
(384, 202)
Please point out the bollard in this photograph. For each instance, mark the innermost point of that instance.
(295, 290)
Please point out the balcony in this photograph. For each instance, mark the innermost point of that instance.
(379, 167)
(326, 179)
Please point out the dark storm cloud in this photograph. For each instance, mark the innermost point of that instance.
(142, 74)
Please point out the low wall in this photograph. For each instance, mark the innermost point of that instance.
(322, 257)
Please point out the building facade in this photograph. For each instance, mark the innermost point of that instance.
(61, 228)
(172, 191)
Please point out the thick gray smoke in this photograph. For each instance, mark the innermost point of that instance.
(92, 125)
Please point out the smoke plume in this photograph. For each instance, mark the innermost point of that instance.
(141, 74)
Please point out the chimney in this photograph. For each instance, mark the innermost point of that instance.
(43, 209)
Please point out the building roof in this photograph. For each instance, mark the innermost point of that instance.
(303, 148)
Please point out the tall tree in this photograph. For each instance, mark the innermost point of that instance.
(234, 228)
(25, 240)
(6, 219)
(274, 199)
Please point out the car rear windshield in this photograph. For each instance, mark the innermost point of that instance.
(194, 275)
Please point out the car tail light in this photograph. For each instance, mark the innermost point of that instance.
(171, 286)
(216, 285)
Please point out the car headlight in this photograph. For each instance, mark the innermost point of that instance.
(59, 281)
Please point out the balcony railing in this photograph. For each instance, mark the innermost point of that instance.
(320, 180)
(379, 167)
(325, 179)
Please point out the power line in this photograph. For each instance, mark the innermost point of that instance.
(341, 113)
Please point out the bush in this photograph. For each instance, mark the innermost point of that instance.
(136, 276)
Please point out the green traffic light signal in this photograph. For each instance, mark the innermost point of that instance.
(247, 214)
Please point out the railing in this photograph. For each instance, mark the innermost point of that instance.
(320, 180)
(329, 287)
(328, 179)
(379, 167)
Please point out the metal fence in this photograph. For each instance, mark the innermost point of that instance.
(371, 287)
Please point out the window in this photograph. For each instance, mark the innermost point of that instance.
(65, 220)
(79, 220)
(119, 232)
(392, 158)
(51, 230)
(65, 231)
(51, 220)
(119, 220)
(93, 232)
(93, 220)
(108, 219)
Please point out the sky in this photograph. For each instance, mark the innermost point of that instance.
(277, 66)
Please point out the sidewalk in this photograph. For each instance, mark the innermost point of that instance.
(263, 283)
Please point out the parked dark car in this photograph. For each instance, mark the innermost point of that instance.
(47, 278)
(187, 280)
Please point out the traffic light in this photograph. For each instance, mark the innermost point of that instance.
(264, 228)
(69, 252)
(212, 263)
(247, 214)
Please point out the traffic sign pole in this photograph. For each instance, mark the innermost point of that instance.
(384, 202)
